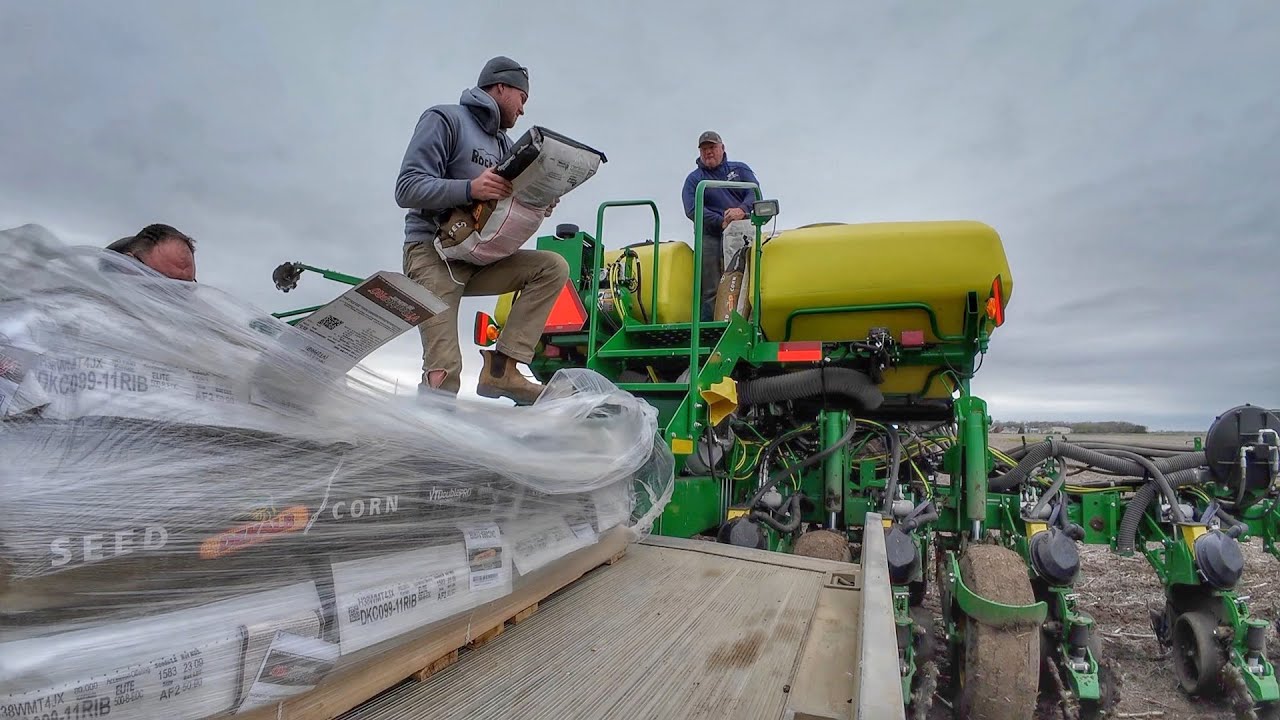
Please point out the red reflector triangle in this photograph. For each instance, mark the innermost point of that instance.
(568, 314)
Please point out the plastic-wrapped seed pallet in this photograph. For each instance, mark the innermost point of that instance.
(204, 516)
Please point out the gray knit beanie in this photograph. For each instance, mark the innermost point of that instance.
(506, 71)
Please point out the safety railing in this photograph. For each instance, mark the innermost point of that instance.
(695, 315)
(597, 265)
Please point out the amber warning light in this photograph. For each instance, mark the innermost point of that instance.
(995, 303)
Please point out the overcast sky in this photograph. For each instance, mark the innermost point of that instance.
(1128, 153)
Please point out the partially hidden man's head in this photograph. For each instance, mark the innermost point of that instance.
(507, 82)
(163, 249)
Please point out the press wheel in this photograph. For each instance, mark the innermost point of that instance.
(998, 668)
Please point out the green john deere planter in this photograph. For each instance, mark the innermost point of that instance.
(834, 381)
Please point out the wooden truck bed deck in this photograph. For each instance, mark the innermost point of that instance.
(679, 629)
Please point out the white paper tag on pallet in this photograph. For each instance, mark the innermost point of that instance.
(343, 332)
(489, 568)
(101, 384)
(179, 665)
(613, 505)
(363, 319)
(541, 539)
(294, 664)
(386, 596)
(186, 684)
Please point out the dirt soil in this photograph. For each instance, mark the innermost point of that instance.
(1118, 592)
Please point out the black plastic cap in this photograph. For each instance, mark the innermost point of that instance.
(1055, 556)
(903, 556)
(746, 533)
(1220, 559)
(564, 231)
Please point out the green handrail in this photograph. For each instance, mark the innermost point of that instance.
(695, 329)
(598, 263)
(837, 309)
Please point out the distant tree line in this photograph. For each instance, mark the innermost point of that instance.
(1107, 427)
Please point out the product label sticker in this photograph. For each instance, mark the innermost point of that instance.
(385, 596)
(484, 555)
(185, 684)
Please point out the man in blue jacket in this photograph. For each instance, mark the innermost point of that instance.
(721, 206)
(449, 163)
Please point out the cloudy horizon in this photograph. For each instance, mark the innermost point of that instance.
(1127, 154)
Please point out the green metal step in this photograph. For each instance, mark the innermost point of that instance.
(659, 352)
(675, 333)
(644, 387)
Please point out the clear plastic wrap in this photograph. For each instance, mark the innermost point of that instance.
(199, 518)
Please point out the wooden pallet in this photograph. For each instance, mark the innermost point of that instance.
(437, 647)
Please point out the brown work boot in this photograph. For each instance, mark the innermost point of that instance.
(500, 378)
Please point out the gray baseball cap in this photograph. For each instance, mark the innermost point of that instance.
(710, 136)
(502, 69)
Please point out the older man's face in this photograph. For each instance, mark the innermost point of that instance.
(172, 258)
(712, 154)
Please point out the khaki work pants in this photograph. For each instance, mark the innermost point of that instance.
(537, 274)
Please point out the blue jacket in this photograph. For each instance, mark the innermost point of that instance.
(717, 200)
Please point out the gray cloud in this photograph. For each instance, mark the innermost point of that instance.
(1127, 153)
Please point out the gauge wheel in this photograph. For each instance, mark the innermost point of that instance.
(1198, 659)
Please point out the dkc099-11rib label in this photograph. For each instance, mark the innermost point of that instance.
(385, 596)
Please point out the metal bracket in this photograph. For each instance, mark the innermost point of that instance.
(843, 581)
(989, 612)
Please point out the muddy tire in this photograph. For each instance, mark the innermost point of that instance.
(998, 668)
(825, 544)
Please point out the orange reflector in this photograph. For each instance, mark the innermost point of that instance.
(486, 330)
(568, 314)
(800, 351)
(995, 303)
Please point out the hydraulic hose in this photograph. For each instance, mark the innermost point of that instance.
(1123, 462)
(1235, 528)
(1142, 499)
(1159, 478)
(809, 383)
(1151, 452)
(793, 515)
(1047, 495)
(766, 455)
(811, 460)
(928, 513)
(891, 488)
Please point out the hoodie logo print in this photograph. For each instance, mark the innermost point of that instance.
(483, 157)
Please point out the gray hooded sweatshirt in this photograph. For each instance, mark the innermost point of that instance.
(451, 145)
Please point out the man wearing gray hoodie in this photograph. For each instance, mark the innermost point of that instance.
(449, 163)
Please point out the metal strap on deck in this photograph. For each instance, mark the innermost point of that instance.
(878, 696)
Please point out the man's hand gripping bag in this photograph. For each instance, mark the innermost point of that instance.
(542, 167)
